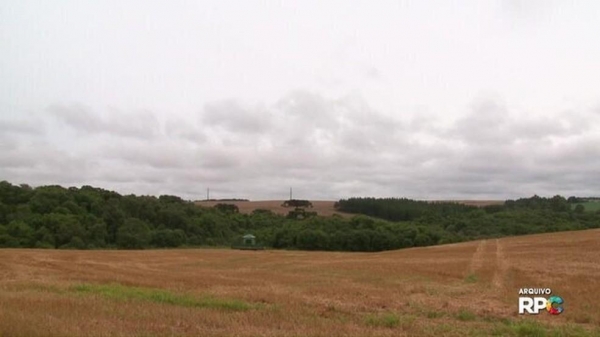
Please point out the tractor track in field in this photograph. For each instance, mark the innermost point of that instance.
(489, 262)
(478, 258)
(501, 266)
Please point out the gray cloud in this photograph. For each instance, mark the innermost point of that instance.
(386, 107)
(141, 124)
(232, 116)
(37, 162)
(184, 130)
(20, 127)
(372, 73)
(326, 148)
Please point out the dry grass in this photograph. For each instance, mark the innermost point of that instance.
(453, 290)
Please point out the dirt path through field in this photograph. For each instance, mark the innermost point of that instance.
(478, 258)
(501, 266)
(489, 263)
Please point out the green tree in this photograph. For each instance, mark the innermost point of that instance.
(96, 235)
(13, 195)
(4, 211)
(21, 232)
(113, 217)
(45, 199)
(168, 238)
(63, 227)
(44, 238)
(134, 234)
(75, 243)
(313, 240)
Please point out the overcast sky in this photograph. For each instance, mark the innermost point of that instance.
(420, 99)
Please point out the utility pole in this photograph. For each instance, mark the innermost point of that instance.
(207, 193)
(290, 193)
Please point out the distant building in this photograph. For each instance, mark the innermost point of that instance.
(249, 240)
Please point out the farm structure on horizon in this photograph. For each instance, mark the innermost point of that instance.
(248, 242)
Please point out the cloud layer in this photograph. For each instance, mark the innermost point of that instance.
(324, 147)
(423, 99)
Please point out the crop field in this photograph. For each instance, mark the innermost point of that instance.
(466, 289)
(590, 206)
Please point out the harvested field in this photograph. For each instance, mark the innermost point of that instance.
(465, 289)
(322, 207)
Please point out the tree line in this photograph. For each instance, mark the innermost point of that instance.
(94, 218)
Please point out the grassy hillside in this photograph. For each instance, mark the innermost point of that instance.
(465, 289)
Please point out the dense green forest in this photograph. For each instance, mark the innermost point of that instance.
(91, 218)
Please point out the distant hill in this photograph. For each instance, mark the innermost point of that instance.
(322, 207)
(478, 203)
